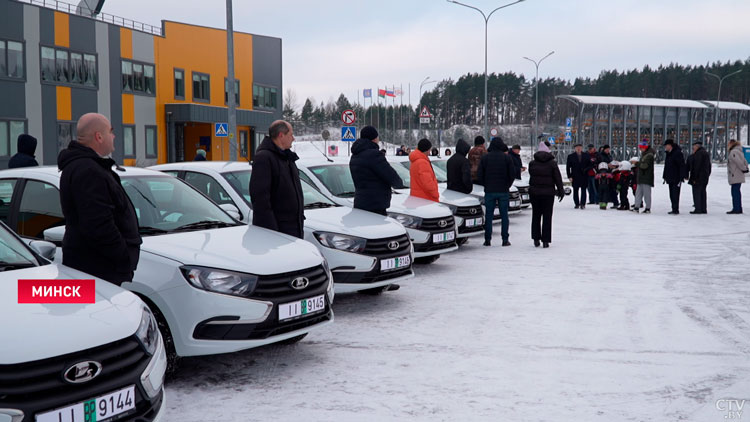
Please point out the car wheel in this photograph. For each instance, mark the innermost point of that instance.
(293, 340)
(462, 241)
(173, 361)
(426, 259)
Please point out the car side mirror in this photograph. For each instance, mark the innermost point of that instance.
(45, 249)
(55, 234)
(232, 210)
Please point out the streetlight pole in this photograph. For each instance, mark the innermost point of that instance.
(536, 107)
(232, 106)
(419, 108)
(486, 23)
(716, 111)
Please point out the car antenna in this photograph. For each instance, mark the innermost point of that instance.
(324, 155)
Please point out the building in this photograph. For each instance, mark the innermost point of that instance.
(162, 88)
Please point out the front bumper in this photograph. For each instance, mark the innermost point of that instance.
(464, 232)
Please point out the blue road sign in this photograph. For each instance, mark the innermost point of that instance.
(568, 137)
(348, 133)
(221, 130)
(568, 122)
(551, 140)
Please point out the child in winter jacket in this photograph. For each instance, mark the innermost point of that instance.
(624, 181)
(603, 181)
(634, 184)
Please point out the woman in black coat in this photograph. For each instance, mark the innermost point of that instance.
(545, 183)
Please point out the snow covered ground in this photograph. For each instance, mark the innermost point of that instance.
(625, 318)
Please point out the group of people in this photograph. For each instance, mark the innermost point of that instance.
(404, 151)
(609, 181)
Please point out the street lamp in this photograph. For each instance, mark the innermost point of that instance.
(486, 22)
(536, 107)
(716, 111)
(424, 82)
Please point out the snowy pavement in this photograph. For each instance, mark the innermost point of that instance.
(625, 318)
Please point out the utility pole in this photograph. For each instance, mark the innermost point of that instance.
(536, 107)
(717, 110)
(231, 104)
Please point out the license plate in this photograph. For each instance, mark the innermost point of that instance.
(515, 204)
(473, 222)
(99, 409)
(496, 212)
(525, 197)
(302, 307)
(443, 237)
(395, 263)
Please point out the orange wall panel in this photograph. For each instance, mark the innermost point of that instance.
(64, 105)
(128, 109)
(126, 43)
(62, 29)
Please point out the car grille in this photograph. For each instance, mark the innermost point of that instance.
(466, 212)
(515, 195)
(280, 285)
(36, 387)
(379, 247)
(433, 224)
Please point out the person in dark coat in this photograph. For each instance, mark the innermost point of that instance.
(275, 187)
(373, 177)
(545, 182)
(577, 168)
(496, 173)
(101, 225)
(699, 172)
(459, 169)
(593, 163)
(605, 156)
(200, 155)
(674, 173)
(475, 155)
(515, 154)
(25, 155)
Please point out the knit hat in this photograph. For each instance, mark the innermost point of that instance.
(605, 147)
(625, 166)
(479, 140)
(669, 142)
(201, 152)
(369, 133)
(591, 146)
(643, 145)
(543, 147)
(635, 160)
(518, 147)
(698, 142)
(424, 145)
(603, 166)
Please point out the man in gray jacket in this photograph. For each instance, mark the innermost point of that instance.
(736, 169)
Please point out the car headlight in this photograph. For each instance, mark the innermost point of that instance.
(148, 332)
(221, 281)
(341, 242)
(406, 220)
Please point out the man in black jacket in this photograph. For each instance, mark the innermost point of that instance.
(700, 171)
(577, 167)
(372, 175)
(275, 188)
(101, 226)
(515, 155)
(25, 155)
(459, 169)
(496, 173)
(674, 173)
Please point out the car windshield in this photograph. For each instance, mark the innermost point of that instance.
(442, 165)
(442, 176)
(240, 181)
(336, 178)
(13, 252)
(164, 204)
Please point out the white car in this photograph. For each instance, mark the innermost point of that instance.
(430, 225)
(215, 285)
(365, 251)
(63, 362)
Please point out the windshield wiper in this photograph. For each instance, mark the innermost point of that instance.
(151, 230)
(345, 194)
(206, 224)
(6, 267)
(319, 205)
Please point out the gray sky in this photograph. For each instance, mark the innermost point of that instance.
(336, 46)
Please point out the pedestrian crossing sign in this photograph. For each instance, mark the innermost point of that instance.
(221, 130)
(348, 133)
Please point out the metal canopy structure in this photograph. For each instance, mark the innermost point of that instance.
(622, 122)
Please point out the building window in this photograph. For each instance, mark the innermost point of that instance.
(9, 131)
(201, 87)
(149, 79)
(90, 72)
(66, 132)
(265, 97)
(48, 64)
(61, 66)
(236, 92)
(128, 141)
(76, 68)
(244, 144)
(11, 60)
(127, 76)
(150, 141)
(138, 78)
(179, 84)
(62, 71)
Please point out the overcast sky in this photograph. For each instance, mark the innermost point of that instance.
(330, 47)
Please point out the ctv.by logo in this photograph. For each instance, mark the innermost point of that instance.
(733, 408)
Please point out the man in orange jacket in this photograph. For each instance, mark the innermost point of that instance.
(423, 180)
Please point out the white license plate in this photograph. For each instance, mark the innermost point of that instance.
(99, 409)
(443, 237)
(473, 222)
(515, 204)
(395, 263)
(525, 197)
(496, 212)
(302, 307)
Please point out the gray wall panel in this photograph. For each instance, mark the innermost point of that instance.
(267, 66)
(115, 89)
(49, 121)
(83, 101)
(102, 51)
(13, 94)
(82, 34)
(33, 85)
(143, 47)
(145, 115)
(46, 27)
(11, 20)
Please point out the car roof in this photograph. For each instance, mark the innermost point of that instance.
(309, 162)
(54, 171)
(217, 166)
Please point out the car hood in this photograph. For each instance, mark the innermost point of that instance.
(478, 190)
(451, 197)
(403, 203)
(352, 222)
(32, 332)
(243, 248)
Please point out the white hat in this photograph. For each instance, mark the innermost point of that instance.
(625, 166)
(635, 159)
(603, 166)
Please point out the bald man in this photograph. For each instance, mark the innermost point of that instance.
(101, 226)
(275, 188)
